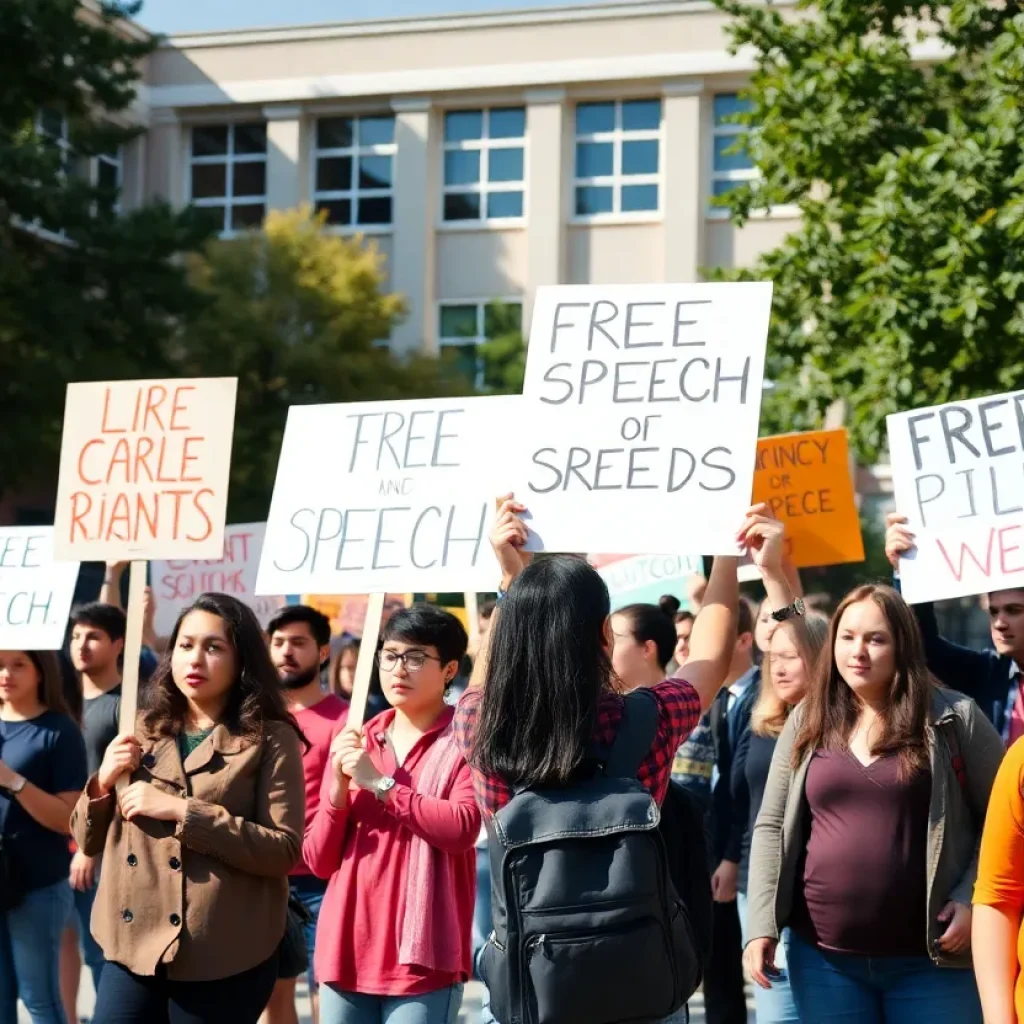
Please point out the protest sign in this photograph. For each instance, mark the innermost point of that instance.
(643, 579)
(958, 476)
(348, 612)
(639, 417)
(402, 499)
(805, 479)
(177, 583)
(144, 469)
(35, 591)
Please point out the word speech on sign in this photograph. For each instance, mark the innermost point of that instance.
(144, 469)
(177, 583)
(806, 480)
(958, 476)
(644, 579)
(402, 499)
(35, 591)
(640, 413)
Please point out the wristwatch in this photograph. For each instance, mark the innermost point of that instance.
(791, 611)
(383, 785)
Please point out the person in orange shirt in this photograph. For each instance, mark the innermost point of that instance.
(999, 897)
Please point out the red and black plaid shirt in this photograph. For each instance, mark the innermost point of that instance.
(678, 715)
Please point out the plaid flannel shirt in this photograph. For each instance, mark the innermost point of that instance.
(678, 715)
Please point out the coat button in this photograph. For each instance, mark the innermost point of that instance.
(148, 760)
(175, 920)
(175, 863)
(132, 860)
(126, 916)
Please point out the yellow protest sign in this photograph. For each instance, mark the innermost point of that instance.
(806, 480)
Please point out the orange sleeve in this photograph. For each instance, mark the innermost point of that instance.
(1001, 865)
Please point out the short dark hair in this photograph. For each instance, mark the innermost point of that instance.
(649, 622)
(745, 617)
(669, 604)
(487, 609)
(430, 626)
(319, 624)
(686, 616)
(111, 620)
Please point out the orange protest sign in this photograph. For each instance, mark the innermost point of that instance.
(144, 469)
(806, 480)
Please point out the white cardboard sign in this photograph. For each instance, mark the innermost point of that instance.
(387, 496)
(176, 584)
(958, 476)
(35, 592)
(638, 430)
(144, 469)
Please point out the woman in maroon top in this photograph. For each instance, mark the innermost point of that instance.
(866, 843)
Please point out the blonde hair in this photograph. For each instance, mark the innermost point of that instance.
(809, 633)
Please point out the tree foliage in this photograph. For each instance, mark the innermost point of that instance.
(504, 353)
(85, 291)
(296, 314)
(904, 284)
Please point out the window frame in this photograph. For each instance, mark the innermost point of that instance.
(480, 337)
(616, 180)
(483, 186)
(725, 131)
(354, 152)
(229, 159)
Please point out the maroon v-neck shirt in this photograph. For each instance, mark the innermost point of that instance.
(865, 870)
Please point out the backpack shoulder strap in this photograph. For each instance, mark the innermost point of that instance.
(636, 735)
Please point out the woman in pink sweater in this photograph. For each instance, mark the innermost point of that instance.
(395, 834)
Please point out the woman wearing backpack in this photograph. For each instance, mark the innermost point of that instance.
(867, 839)
(544, 699)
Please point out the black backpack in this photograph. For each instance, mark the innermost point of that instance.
(587, 926)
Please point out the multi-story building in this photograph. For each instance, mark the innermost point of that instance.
(485, 154)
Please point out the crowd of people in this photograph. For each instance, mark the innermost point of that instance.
(591, 811)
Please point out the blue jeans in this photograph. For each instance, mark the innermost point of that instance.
(482, 925)
(30, 955)
(843, 988)
(440, 1007)
(91, 952)
(309, 891)
(774, 1005)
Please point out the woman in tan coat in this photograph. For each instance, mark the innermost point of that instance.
(197, 848)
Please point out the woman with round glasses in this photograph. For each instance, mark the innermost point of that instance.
(395, 834)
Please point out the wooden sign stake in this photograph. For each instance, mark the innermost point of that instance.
(364, 665)
(132, 653)
(473, 616)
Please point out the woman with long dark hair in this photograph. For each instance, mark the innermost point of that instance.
(42, 772)
(867, 840)
(197, 849)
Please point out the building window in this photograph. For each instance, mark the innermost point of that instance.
(484, 164)
(618, 157)
(353, 168)
(465, 326)
(228, 173)
(730, 166)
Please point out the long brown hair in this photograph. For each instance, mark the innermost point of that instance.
(51, 682)
(831, 708)
(255, 698)
(809, 633)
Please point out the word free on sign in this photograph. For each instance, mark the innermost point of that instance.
(386, 496)
(643, 401)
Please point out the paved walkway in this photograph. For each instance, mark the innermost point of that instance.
(470, 1005)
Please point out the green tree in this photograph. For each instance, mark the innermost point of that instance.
(504, 352)
(904, 285)
(297, 315)
(85, 292)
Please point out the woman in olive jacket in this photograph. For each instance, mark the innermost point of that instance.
(196, 849)
(866, 845)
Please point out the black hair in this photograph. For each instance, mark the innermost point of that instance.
(650, 622)
(255, 698)
(547, 669)
(319, 624)
(111, 620)
(669, 604)
(686, 616)
(745, 618)
(429, 626)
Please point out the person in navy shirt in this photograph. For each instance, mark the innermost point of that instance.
(42, 773)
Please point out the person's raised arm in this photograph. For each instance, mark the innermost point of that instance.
(764, 537)
(713, 638)
(110, 592)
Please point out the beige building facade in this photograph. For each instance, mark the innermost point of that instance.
(484, 154)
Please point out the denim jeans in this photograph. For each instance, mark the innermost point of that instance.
(30, 955)
(91, 952)
(843, 988)
(440, 1007)
(482, 925)
(774, 1005)
(309, 891)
